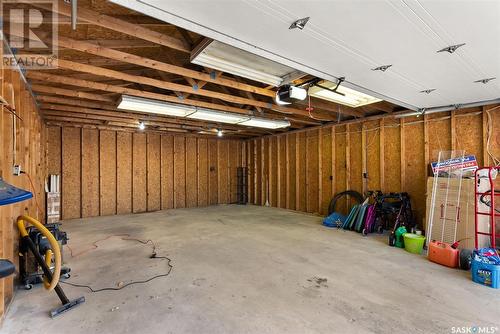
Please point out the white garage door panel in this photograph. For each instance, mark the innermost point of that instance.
(349, 38)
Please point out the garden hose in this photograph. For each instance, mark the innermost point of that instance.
(56, 252)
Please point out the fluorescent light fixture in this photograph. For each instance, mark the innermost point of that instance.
(347, 96)
(266, 123)
(218, 116)
(229, 59)
(236, 69)
(154, 106)
(173, 109)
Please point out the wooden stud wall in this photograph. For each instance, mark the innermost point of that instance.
(386, 154)
(21, 142)
(112, 172)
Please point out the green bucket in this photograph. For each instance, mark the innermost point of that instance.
(414, 243)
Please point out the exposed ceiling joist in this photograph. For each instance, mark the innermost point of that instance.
(58, 79)
(71, 93)
(69, 65)
(101, 51)
(119, 25)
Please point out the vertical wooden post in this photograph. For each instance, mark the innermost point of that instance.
(320, 170)
(278, 173)
(363, 157)
(402, 153)
(263, 177)
(426, 145)
(453, 131)
(297, 172)
(287, 181)
(382, 155)
(348, 157)
(486, 158)
(334, 160)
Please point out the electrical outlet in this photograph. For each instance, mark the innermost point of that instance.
(16, 170)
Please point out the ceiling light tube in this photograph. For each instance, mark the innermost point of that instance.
(266, 123)
(154, 106)
(203, 59)
(180, 110)
(218, 116)
(342, 95)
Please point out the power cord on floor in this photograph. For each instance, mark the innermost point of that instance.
(124, 237)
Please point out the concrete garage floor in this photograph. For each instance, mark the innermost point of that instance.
(248, 269)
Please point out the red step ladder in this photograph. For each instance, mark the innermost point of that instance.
(492, 214)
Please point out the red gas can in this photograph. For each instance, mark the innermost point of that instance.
(443, 253)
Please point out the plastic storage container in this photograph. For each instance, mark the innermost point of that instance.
(443, 253)
(414, 243)
(487, 274)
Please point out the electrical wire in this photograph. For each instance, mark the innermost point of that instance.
(35, 197)
(489, 129)
(124, 237)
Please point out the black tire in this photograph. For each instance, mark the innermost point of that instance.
(380, 229)
(357, 196)
(392, 240)
(465, 259)
(28, 286)
(364, 232)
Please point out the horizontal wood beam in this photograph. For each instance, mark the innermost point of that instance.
(69, 65)
(46, 105)
(98, 50)
(83, 118)
(71, 93)
(113, 127)
(118, 25)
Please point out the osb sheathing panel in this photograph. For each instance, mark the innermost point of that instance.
(340, 173)
(392, 157)
(250, 147)
(266, 186)
(191, 173)
(139, 166)
(202, 170)
(153, 172)
(212, 172)
(167, 172)
(469, 127)
(123, 172)
(301, 159)
(259, 180)
(71, 177)
(54, 150)
(415, 169)
(312, 168)
(282, 185)
(326, 176)
(372, 149)
(439, 133)
(31, 137)
(179, 172)
(273, 171)
(223, 171)
(355, 154)
(291, 174)
(494, 134)
(107, 172)
(234, 163)
(90, 173)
